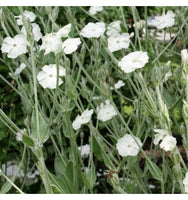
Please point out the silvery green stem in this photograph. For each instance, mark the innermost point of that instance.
(17, 188)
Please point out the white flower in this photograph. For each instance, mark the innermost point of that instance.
(48, 76)
(133, 61)
(70, 45)
(14, 46)
(94, 9)
(35, 31)
(168, 142)
(184, 55)
(117, 42)
(113, 28)
(84, 118)
(162, 35)
(127, 146)
(106, 111)
(28, 15)
(165, 20)
(84, 150)
(20, 69)
(119, 84)
(185, 182)
(64, 31)
(93, 30)
(151, 21)
(51, 42)
(161, 133)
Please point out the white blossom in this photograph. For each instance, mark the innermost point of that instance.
(118, 42)
(70, 45)
(113, 28)
(119, 84)
(20, 69)
(84, 150)
(28, 16)
(128, 145)
(93, 30)
(185, 182)
(133, 61)
(94, 9)
(161, 36)
(84, 118)
(35, 31)
(64, 31)
(14, 46)
(166, 20)
(168, 143)
(161, 133)
(106, 111)
(48, 76)
(51, 42)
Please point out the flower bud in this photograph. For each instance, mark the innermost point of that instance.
(184, 55)
(185, 111)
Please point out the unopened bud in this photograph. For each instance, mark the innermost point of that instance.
(185, 111)
(184, 55)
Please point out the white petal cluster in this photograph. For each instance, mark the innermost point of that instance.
(166, 20)
(113, 28)
(168, 142)
(35, 31)
(128, 145)
(14, 46)
(84, 150)
(118, 85)
(118, 42)
(48, 76)
(70, 45)
(28, 15)
(94, 9)
(64, 31)
(133, 61)
(185, 182)
(84, 118)
(106, 111)
(51, 42)
(20, 69)
(93, 30)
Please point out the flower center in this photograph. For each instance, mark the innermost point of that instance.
(14, 45)
(51, 75)
(135, 60)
